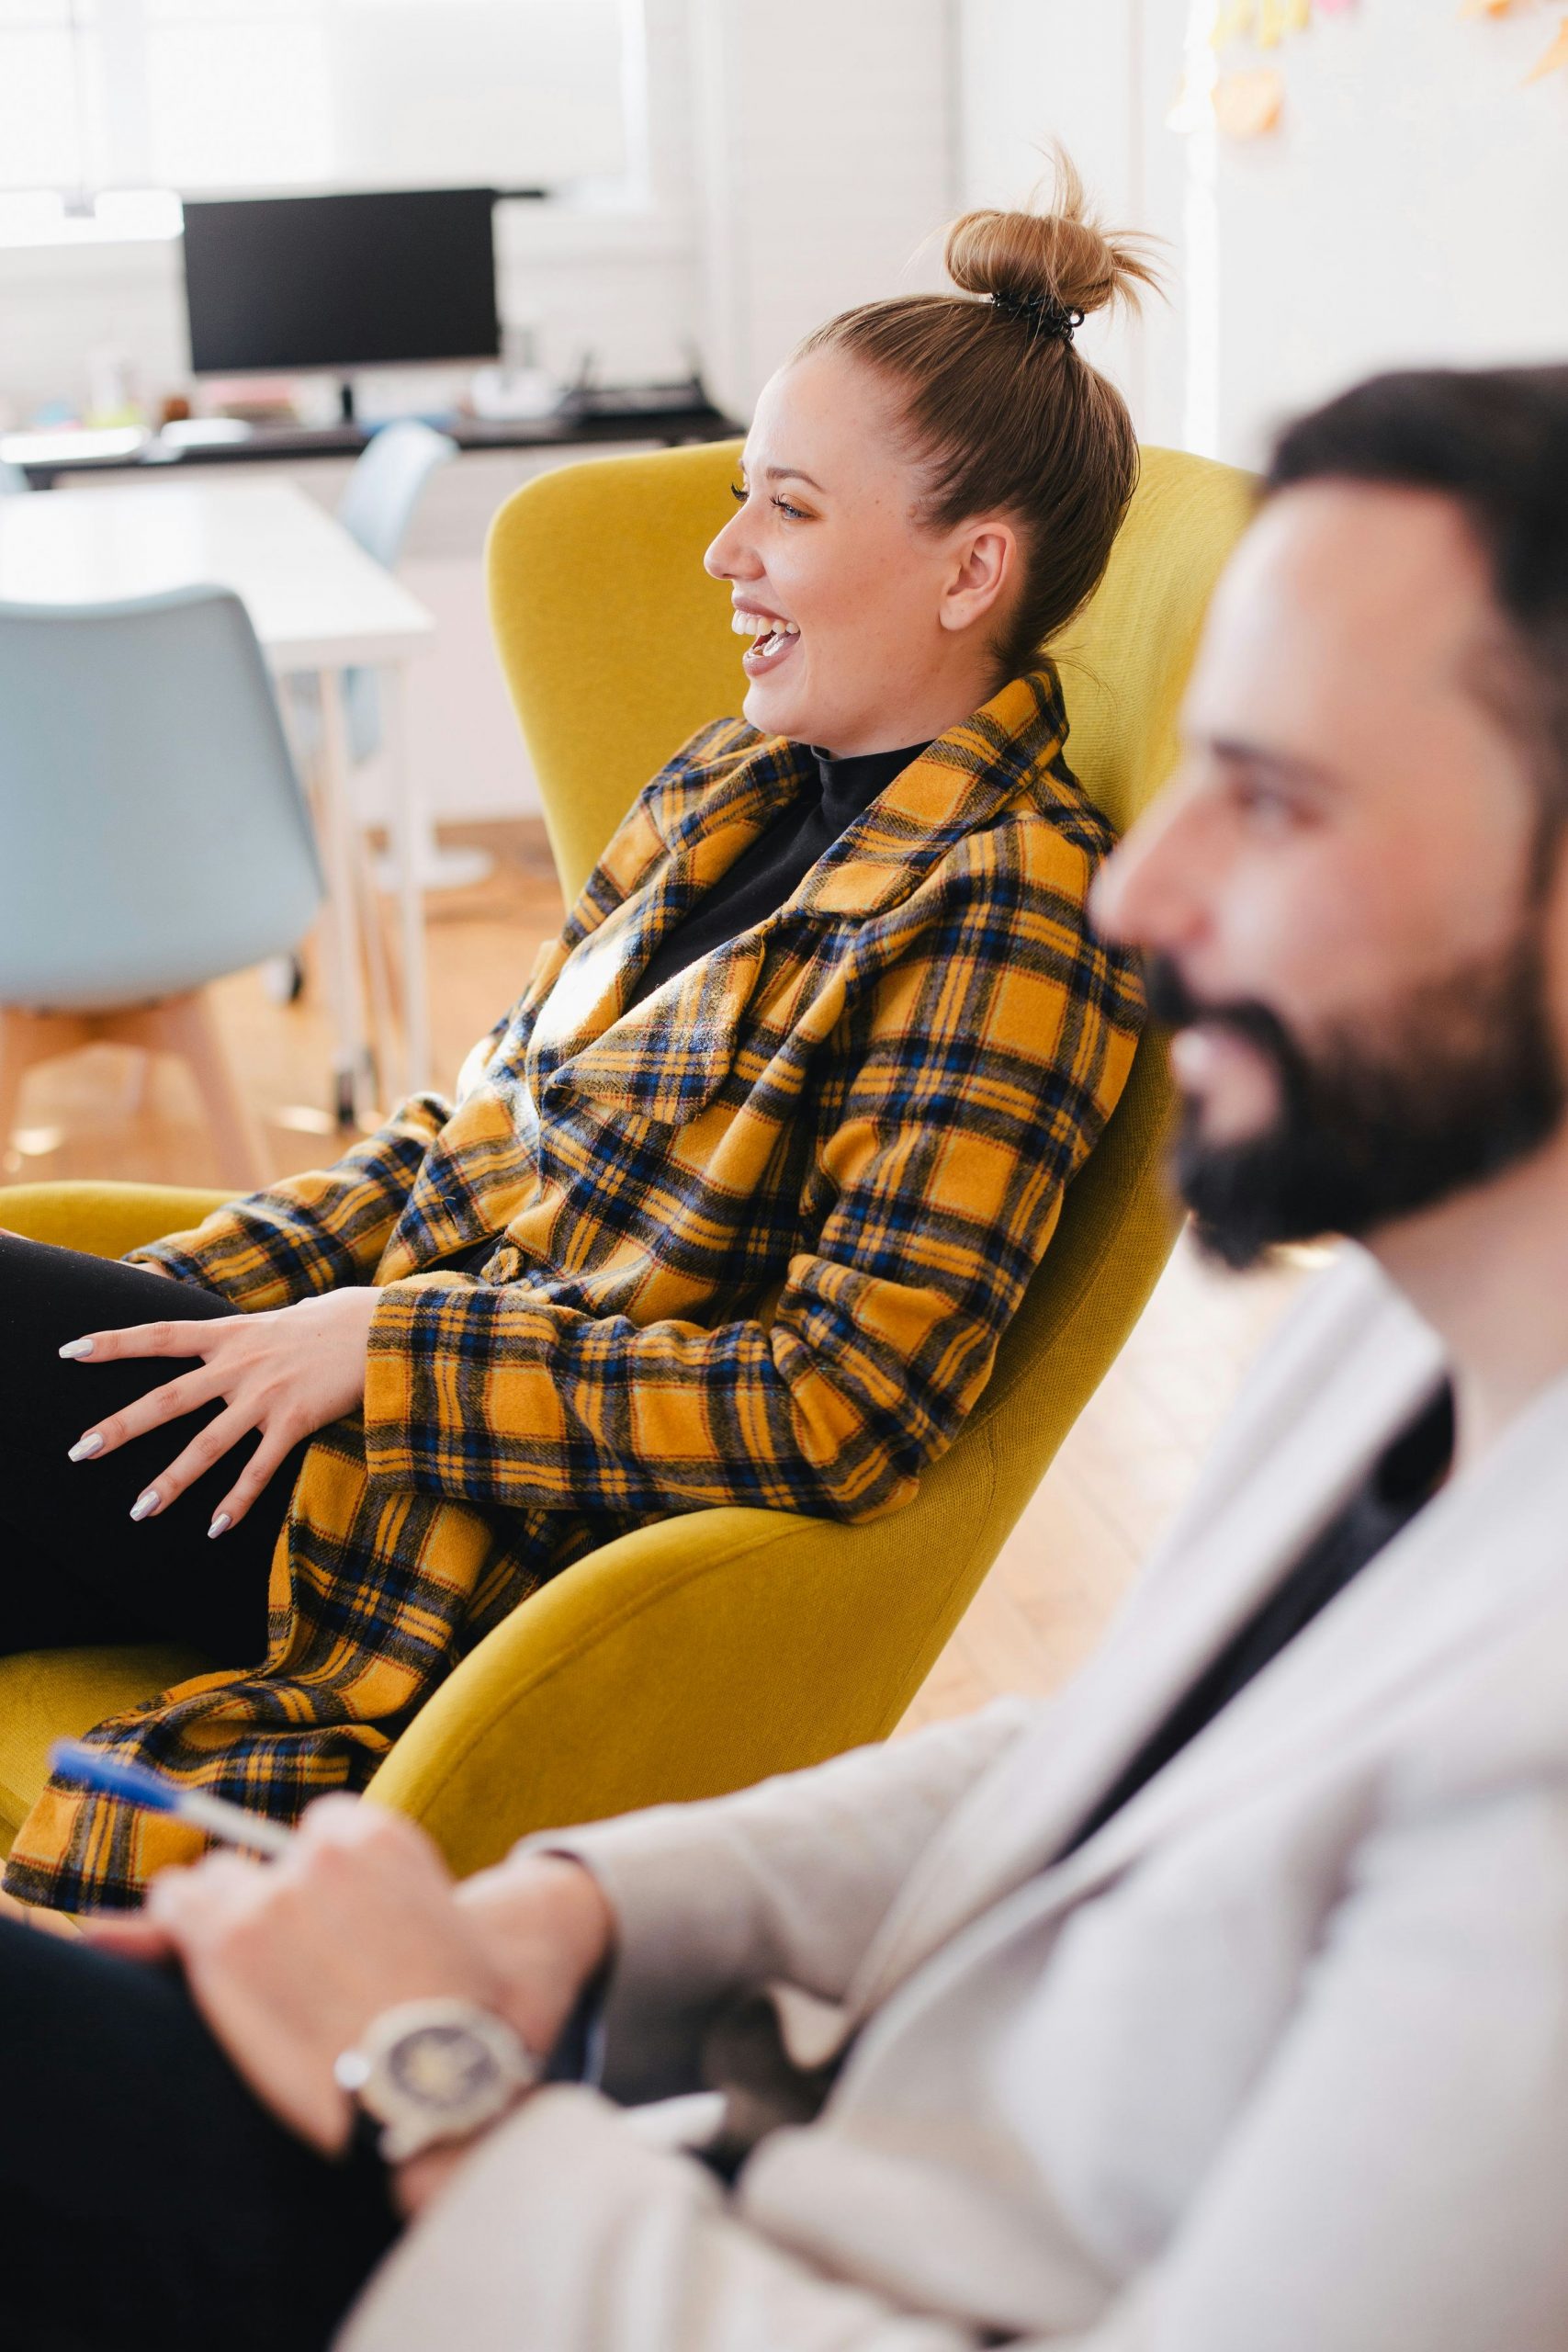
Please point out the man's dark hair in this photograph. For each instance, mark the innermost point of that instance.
(1495, 441)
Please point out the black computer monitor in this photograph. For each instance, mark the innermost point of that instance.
(282, 284)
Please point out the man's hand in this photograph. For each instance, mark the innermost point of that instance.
(290, 1960)
(547, 1928)
(286, 1373)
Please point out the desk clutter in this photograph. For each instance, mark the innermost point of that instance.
(295, 309)
(582, 413)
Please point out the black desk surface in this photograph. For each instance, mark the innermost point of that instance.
(668, 414)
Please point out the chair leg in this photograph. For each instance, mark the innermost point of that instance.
(26, 1039)
(13, 1068)
(384, 994)
(184, 1025)
(136, 1079)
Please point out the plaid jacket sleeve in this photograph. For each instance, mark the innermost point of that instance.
(310, 1233)
(996, 1047)
(328, 1228)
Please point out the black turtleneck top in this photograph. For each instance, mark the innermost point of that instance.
(770, 869)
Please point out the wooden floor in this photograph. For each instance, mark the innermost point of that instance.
(1105, 1499)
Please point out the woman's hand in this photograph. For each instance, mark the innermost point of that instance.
(286, 1373)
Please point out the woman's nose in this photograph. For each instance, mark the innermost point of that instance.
(729, 556)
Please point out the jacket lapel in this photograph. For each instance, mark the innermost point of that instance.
(1421, 1613)
(1293, 1455)
(668, 1057)
(596, 980)
(1483, 1552)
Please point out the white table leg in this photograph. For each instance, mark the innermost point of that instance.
(351, 1060)
(406, 841)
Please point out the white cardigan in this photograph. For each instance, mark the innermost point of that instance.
(1278, 2062)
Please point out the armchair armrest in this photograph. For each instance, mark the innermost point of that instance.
(104, 1219)
(682, 1660)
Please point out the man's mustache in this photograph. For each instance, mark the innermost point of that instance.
(1172, 1003)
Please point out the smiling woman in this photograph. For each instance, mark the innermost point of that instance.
(734, 1204)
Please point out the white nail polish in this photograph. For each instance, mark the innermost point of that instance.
(77, 1348)
(145, 1503)
(220, 1524)
(86, 1447)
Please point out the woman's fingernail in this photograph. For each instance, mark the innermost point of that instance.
(219, 1523)
(86, 1447)
(144, 1504)
(77, 1348)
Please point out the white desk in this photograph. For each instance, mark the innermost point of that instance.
(318, 603)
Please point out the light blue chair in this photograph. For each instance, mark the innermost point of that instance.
(153, 836)
(387, 484)
(376, 508)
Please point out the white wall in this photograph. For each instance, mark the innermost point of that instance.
(1034, 71)
(1408, 211)
(826, 156)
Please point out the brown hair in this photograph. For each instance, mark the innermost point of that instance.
(1003, 415)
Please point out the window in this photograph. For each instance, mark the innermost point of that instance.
(258, 94)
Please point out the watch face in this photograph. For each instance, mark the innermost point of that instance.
(443, 2066)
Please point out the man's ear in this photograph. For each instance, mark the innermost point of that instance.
(985, 565)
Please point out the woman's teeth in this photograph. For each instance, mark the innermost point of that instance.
(769, 633)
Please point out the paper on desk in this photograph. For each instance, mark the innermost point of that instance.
(1247, 105)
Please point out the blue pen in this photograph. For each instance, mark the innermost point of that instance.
(138, 1785)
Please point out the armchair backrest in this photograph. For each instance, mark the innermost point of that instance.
(616, 645)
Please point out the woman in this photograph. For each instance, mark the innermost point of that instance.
(734, 1204)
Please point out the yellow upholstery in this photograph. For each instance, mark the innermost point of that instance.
(700, 1653)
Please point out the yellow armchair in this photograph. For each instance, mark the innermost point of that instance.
(703, 1652)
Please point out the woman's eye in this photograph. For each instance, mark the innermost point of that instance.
(738, 492)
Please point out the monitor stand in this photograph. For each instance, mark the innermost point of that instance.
(345, 401)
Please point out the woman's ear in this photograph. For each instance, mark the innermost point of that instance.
(985, 565)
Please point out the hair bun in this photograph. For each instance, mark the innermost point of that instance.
(1062, 257)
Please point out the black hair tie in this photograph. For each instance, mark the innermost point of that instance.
(1045, 317)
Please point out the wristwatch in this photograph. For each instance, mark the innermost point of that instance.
(428, 2071)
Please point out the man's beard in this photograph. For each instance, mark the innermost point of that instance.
(1461, 1080)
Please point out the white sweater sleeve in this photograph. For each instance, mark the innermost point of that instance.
(787, 1881)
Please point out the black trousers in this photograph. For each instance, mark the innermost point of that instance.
(148, 2202)
(146, 2197)
(74, 1568)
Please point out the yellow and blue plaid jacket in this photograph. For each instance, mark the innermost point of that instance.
(753, 1243)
